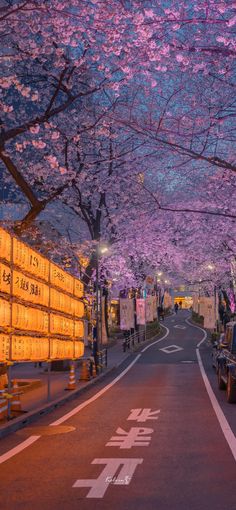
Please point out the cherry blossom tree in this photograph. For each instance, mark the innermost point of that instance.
(124, 113)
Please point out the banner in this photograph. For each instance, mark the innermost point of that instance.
(149, 309)
(209, 313)
(103, 339)
(202, 304)
(140, 311)
(195, 303)
(126, 313)
(167, 302)
(154, 305)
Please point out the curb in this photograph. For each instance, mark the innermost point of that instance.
(32, 416)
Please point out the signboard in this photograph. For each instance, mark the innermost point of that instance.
(126, 313)
(140, 311)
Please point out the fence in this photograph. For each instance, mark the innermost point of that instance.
(144, 333)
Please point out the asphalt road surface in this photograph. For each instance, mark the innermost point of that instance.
(149, 436)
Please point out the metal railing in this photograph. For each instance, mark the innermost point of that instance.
(133, 339)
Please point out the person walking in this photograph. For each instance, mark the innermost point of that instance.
(176, 307)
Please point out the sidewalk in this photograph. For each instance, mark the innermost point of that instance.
(35, 401)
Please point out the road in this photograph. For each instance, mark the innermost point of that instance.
(146, 437)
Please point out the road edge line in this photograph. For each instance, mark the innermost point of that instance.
(223, 422)
(31, 439)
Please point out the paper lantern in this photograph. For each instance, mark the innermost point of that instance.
(62, 349)
(5, 313)
(78, 307)
(4, 347)
(60, 325)
(61, 279)
(79, 329)
(79, 349)
(78, 288)
(29, 260)
(29, 348)
(29, 319)
(30, 290)
(5, 245)
(5, 278)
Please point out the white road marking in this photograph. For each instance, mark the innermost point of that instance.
(224, 424)
(179, 326)
(109, 475)
(21, 446)
(190, 361)
(143, 414)
(18, 448)
(136, 436)
(157, 341)
(170, 349)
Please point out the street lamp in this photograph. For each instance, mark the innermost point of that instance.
(101, 249)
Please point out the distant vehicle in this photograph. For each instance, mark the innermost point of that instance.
(226, 362)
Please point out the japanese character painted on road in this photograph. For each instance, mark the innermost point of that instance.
(116, 472)
(143, 415)
(135, 437)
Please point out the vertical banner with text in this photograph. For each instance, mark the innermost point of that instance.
(140, 311)
(126, 313)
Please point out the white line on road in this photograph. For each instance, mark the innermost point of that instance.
(18, 448)
(224, 424)
(11, 453)
(157, 341)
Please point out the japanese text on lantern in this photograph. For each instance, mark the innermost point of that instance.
(4, 347)
(29, 348)
(30, 290)
(28, 332)
(61, 279)
(5, 278)
(29, 260)
(29, 319)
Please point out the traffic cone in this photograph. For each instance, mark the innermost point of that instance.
(71, 384)
(16, 403)
(85, 373)
(3, 405)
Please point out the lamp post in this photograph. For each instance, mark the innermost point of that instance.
(100, 250)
